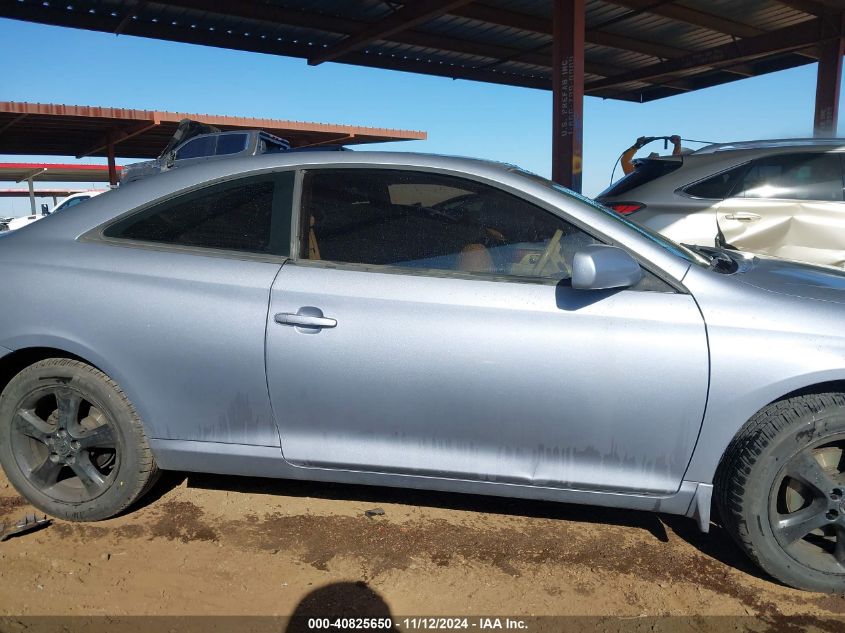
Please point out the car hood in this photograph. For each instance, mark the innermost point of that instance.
(796, 279)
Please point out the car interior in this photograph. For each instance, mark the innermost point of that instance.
(365, 218)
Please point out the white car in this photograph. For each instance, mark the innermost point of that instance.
(71, 201)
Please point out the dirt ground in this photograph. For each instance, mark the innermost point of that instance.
(224, 545)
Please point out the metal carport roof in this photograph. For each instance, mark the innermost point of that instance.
(70, 130)
(635, 50)
(54, 172)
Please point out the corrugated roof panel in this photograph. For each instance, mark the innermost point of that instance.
(469, 29)
(663, 30)
(537, 8)
(765, 15)
(365, 10)
(489, 44)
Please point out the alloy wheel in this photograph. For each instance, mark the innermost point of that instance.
(64, 444)
(807, 506)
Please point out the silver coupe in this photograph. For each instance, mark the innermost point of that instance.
(425, 322)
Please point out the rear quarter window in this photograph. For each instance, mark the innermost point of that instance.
(250, 215)
(717, 187)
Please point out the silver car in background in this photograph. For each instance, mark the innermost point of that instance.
(425, 322)
(781, 198)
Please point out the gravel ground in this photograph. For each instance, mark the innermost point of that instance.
(209, 545)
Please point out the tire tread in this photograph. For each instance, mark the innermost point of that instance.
(148, 472)
(744, 451)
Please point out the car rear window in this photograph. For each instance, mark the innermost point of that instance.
(646, 171)
(250, 215)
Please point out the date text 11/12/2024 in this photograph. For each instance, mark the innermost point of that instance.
(417, 623)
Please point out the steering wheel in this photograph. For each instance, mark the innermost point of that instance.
(551, 248)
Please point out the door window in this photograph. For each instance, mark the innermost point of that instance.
(426, 221)
(250, 215)
(794, 177)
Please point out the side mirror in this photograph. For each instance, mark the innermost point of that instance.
(44, 209)
(602, 267)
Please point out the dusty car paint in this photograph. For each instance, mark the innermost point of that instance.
(625, 398)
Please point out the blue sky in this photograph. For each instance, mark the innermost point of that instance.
(59, 65)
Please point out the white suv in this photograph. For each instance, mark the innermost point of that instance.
(781, 198)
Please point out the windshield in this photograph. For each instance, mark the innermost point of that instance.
(661, 240)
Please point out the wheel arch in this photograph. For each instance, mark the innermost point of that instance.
(724, 422)
(829, 386)
(13, 363)
(25, 352)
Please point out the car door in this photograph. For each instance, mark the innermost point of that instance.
(428, 327)
(789, 205)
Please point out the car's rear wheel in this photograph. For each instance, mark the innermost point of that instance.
(781, 491)
(71, 442)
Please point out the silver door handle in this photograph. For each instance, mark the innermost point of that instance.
(304, 320)
(743, 217)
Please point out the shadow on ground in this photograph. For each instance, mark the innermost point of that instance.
(339, 600)
(716, 545)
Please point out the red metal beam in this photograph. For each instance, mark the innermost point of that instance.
(503, 17)
(568, 93)
(146, 116)
(410, 15)
(828, 81)
(42, 193)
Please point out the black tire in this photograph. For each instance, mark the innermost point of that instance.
(780, 491)
(71, 443)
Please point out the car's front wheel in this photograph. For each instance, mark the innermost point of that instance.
(781, 491)
(71, 442)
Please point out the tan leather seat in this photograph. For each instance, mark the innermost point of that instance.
(474, 258)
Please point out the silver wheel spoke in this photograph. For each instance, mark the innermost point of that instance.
(46, 474)
(33, 426)
(101, 437)
(88, 474)
(799, 524)
(839, 550)
(68, 403)
(805, 468)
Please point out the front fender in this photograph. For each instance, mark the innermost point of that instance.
(724, 419)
